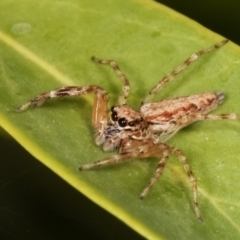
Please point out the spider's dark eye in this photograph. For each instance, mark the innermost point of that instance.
(114, 116)
(131, 124)
(122, 122)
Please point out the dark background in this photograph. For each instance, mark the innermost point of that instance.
(36, 204)
(221, 16)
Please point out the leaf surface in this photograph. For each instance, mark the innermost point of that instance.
(47, 44)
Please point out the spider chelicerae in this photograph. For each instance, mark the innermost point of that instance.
(143, 133)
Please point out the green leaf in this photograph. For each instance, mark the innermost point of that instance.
(47, 44)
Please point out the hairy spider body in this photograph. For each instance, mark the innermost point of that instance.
(143, 133)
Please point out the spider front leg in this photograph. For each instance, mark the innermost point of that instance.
(107, 161)
(100, 108)
(138, 149)
(129, 149)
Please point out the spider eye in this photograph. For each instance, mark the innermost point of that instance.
(131, 124)
(122, 122)
(114, 116)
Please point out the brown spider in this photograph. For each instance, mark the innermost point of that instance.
(143, 133)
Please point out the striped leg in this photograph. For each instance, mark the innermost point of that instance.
(100, 105)
(165, 152)
(126, 86)
(61, 92)
(192, 179)
(157, 175)
(180, 68)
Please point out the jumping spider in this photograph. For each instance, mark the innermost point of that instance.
(143, 133)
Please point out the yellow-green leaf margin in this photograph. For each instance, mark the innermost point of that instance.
(47, 44)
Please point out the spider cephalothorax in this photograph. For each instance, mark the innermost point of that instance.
(124, 123)
(143, 133)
